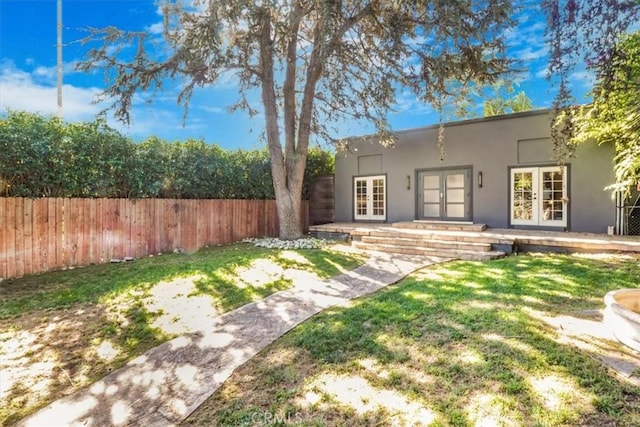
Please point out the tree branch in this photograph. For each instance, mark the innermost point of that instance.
(321, 50)
(289, 87)
(269, 99)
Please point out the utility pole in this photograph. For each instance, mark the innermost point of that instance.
(59, 54)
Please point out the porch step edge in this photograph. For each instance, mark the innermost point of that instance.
(417, 250)
(427, 225)
(428, 243)
(457, 236)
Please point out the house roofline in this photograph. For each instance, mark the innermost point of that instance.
(537, 112)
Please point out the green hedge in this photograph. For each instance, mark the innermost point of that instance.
(45, 157)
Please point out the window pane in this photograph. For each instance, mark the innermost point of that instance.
(522, 181)
(553, 211)
(456, 180)
(431, 210)
(431, 181)
(523, 196)
(361, 206)
(432, 196)
(455, 196)
(455, 210)
(522, 210)
(361, 197)
(520, 196)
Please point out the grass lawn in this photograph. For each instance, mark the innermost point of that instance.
(461, 343)
(62, 330)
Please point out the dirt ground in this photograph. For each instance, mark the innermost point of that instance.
(50, 353)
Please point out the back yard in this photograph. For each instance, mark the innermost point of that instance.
(516, 341)
(509, 342)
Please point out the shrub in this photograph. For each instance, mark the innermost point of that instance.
(44, 157)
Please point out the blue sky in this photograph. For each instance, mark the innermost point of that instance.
(28, 74)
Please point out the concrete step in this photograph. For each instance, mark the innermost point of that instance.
(417, 240)
(457, 236)
(419, 250)
(502, 239)
(436, 225)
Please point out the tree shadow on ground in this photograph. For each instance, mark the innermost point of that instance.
(82, 342)
(59, 289)
(59, 352)
(459, 340)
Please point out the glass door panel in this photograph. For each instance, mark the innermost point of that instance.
(553, 196)
(538, 196)
(455, 195)
(523, 196)
(431, 196)
(370, 201)
(444, 194)
(378, 204)
(361, 197)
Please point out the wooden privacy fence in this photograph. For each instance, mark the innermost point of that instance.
(38, 235)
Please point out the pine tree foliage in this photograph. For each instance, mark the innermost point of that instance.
(313, 62)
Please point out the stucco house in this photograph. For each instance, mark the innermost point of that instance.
(499, 171)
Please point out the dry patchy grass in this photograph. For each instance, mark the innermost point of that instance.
(64, 330)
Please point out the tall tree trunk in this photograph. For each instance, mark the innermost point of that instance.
(287, 168)
(288, 177)
(289, 214)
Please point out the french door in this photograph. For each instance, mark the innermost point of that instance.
(370, 198)
(539, 196)
(444, 194)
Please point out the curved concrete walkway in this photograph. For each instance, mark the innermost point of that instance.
(167, 383)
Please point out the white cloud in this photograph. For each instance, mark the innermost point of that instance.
(526, 41)
(525, 33)
(46, 72)
(155, 29)
(20, 91)
(408, 103)
(522, 77)
(214, 110)
(157, 121)
(30, 91)
(50, 74)
(586, 79)
(228, 80)
(542, 73)
(531, 53)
